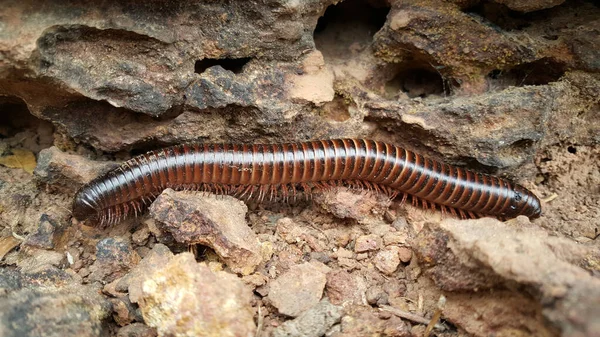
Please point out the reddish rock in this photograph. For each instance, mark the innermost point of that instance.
(366, 243)
(344, 288)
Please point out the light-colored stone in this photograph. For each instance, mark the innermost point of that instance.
(185, 298)
(298, 289)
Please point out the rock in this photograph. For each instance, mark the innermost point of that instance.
(44, 236)
(529, 6)
(343, 288)
(156, 259)
(136, 330)
(359, 205)
(315, 84)
(366, 243)
(114, 258)
(76, 310)
(481, 254)
(64, 172)
(218, 223)
(123, 311)
(405, 254)
(185, 298)
(365, 321)
(506, 313)
(387, 260)
(376, 296)
(298, 289)
(314, 322)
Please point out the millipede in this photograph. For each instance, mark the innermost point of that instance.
(263, 171)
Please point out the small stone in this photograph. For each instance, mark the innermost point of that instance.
(137, 330)
(44, 236)
(114, 258)
(185, 298)
(405, 254)
(315, 321)
(387, 260)
(343, 287)
(219, 223)
(367, 243)
(123, 311)
(343, 253)
(298, 289)
(344, 203)
(395, 238)
(140, 237)
(376, 296)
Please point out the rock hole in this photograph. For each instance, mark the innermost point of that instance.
(540, 72)
(418, 82)
(572, 149)
(22, 129)
(338, 109)
(235, 65)
(349, 25)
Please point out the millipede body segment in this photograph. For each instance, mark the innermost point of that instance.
(262, 170)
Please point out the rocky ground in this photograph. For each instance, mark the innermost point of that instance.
(500, 86)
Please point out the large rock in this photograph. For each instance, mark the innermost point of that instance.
(185, 298)
(215, 222)
(487, 254)
(72, 311)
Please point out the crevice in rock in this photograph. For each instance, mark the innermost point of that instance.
(338, 109)
(540, 72)
(19, 128)
(235, 65)
(416, 80)
(499, 16)
(348, 23)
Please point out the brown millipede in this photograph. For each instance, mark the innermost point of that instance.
(261, 170)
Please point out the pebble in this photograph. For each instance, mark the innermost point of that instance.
(300, 288)
(387, 260)
(365, 243)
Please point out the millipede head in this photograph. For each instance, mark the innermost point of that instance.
(83, 207)
(524, 202)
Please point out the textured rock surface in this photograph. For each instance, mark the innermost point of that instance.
(66, 172)
(314, 322)
(488, 254)
(114, 258)
(298, 289)
(186, 298)
(78, 310)
(217, 223)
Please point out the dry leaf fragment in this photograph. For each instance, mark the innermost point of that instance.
(21, 158)
(7, 244)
